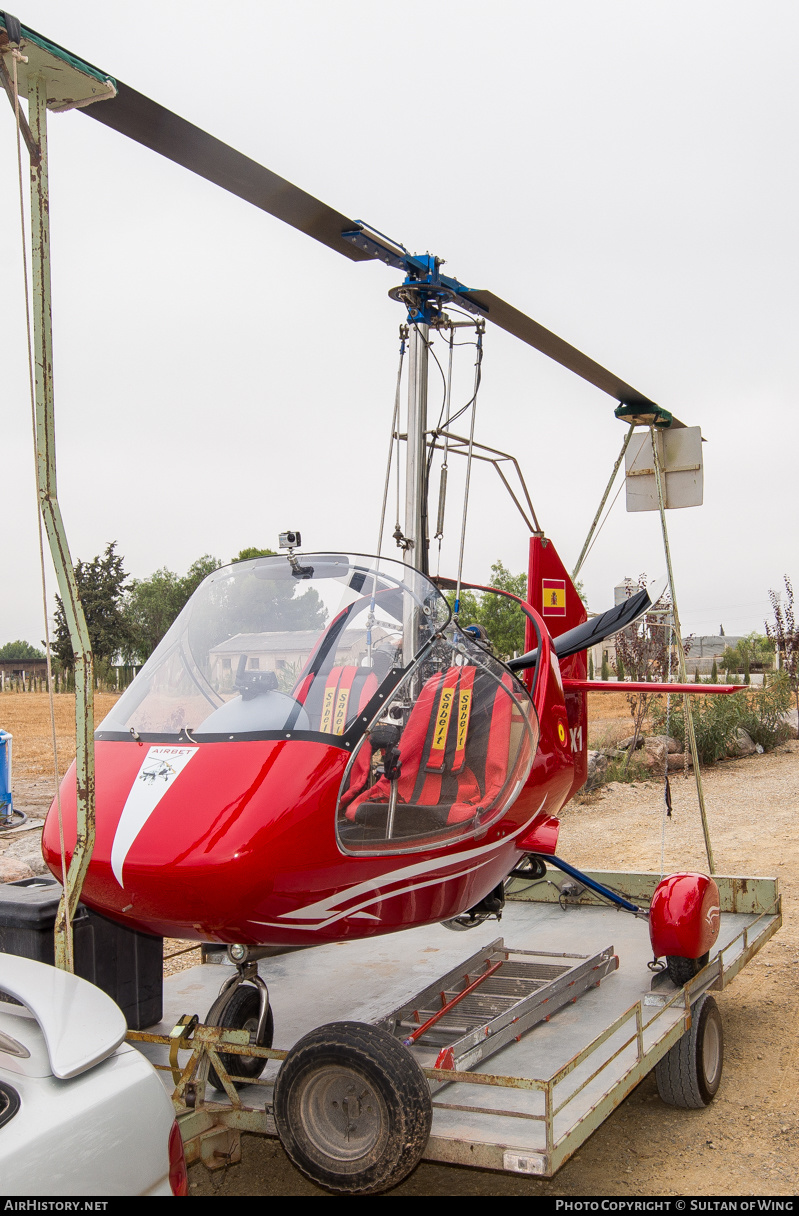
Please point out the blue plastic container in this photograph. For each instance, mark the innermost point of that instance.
(6, 801)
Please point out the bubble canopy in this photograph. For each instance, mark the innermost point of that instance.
(281, 645)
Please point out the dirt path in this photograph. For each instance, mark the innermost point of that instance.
(746, 1142)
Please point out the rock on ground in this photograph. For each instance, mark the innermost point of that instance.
(12, 869)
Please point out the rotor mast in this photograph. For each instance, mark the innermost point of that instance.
(415, 553)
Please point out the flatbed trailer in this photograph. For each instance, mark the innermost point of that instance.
(530, 1106)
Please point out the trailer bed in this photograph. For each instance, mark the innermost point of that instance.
(530, 1106)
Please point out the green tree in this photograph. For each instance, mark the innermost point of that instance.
(196, 572)
(469, 613)
(714, 673)
(152, 604)
(102, 588)
(754, 653)
(246, 555)
(502, 619)
(19, 651)
(150, 608)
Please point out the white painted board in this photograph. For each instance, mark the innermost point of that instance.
(680, 453)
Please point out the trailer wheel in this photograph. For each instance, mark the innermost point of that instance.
(689, 1074)
(352, 1108)
(241, 1013)
(681, 970)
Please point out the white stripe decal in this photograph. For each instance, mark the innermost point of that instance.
(160, 767)
(380, 897)
(323, 911)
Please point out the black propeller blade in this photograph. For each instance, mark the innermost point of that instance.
(155, 127)
(597, 628)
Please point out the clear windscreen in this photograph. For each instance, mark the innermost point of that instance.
(445, 755)
(282, 644)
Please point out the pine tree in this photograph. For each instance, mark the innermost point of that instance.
(101, 587)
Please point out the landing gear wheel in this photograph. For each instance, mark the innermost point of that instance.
(690, 1073)
(681, 970)
(241, 1013)
(352, 1108)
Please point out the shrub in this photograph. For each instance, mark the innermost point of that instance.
(626, 768)
(764, 718)
(717, 719)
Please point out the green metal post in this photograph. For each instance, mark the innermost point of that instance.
(54, 527)
(689, 721)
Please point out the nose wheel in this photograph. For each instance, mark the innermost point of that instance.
(243, 1004)
(352, 1108)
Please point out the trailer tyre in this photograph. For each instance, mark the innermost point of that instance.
(681, 970)
(241, 1013)
(352, 1108)
(690, 1073)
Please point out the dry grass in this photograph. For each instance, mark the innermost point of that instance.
(26, 716)
(609, 719)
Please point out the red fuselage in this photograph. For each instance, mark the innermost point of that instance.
(242, 847)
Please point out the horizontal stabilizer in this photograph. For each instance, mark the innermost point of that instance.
(651, 686)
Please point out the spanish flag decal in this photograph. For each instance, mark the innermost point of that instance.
(553, 597)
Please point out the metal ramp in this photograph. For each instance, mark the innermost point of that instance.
(490, 1000)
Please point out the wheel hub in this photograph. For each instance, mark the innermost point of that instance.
(711, 1052)
(342, 1113)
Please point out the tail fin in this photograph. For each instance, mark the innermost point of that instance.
(551, 592)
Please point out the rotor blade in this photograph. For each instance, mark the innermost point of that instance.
(155, 127)
(152, 125)
(529, 331)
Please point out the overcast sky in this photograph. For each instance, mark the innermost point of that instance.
(626, 173)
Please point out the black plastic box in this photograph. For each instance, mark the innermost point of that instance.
(127, 965)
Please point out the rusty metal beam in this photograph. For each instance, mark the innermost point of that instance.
(54, 526)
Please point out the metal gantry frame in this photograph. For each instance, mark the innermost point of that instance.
(35, 136)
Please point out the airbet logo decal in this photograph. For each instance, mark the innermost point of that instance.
(160, 768)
